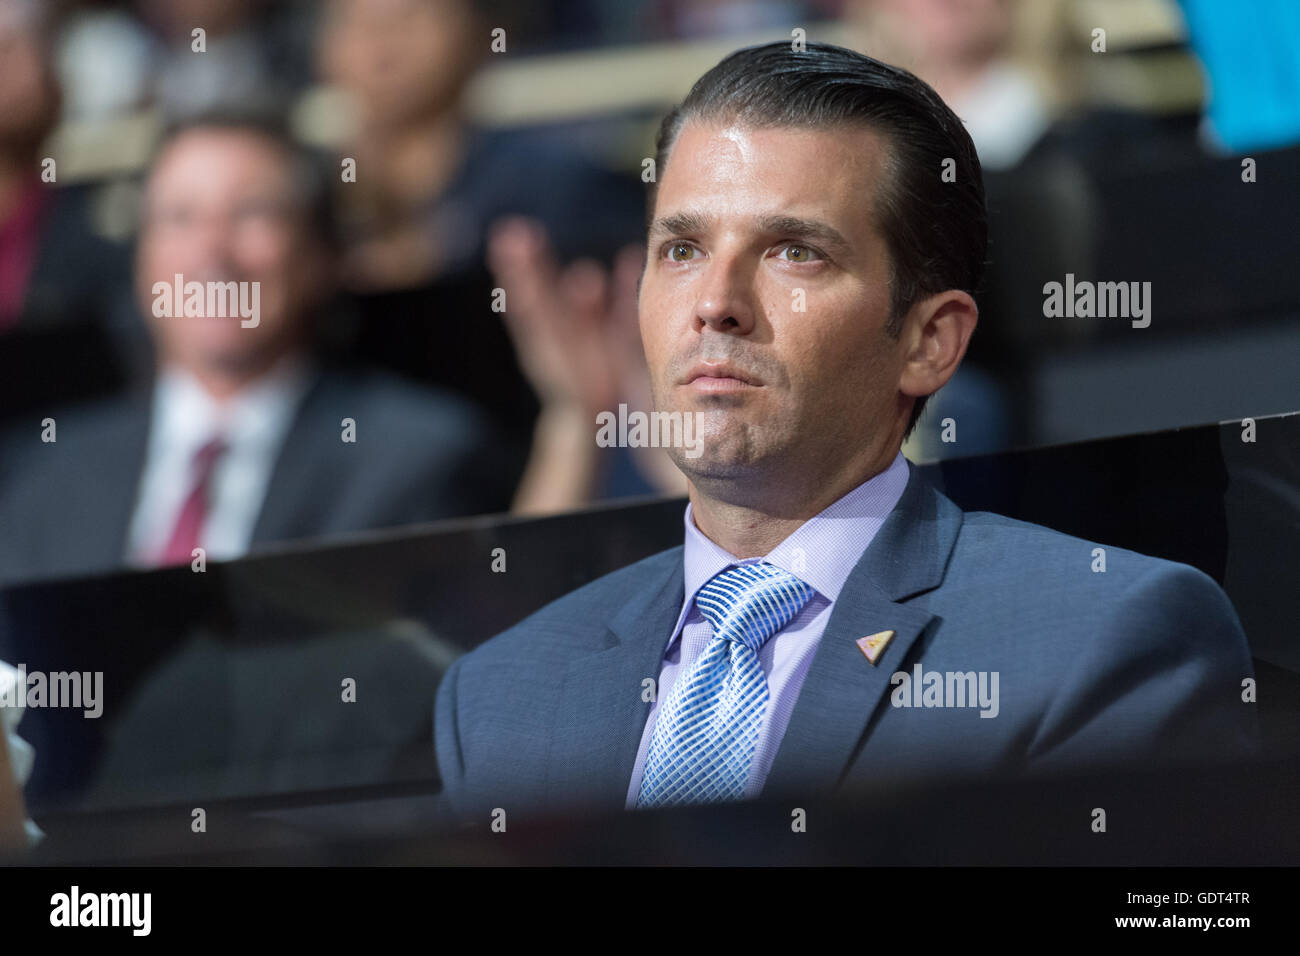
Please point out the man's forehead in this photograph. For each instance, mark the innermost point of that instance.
(206, 151)
(818, 183)
(737, 143)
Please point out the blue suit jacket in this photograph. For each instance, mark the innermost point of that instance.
(1142, 662)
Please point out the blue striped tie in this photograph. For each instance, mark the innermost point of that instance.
(705, 736)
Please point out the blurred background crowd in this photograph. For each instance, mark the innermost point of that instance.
(380, 167)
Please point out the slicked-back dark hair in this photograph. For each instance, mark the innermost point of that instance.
(936, 231)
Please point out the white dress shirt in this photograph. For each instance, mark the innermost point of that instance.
(253, 424)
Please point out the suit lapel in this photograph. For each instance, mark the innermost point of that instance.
(118, 457)
(843, 689)
(297, 477)
(601, 714)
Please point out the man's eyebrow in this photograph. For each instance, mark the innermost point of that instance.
(680, 224)
(788, 227)
(808, 230)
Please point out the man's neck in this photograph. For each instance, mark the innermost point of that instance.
(223, 385)
(753, 528)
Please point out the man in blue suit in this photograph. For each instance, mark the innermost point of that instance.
(831, 620)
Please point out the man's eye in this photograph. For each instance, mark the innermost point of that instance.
(687, 252)
(797, 253)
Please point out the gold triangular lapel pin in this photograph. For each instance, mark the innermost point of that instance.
(873, 645)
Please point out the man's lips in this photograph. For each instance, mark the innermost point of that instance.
(720, 377)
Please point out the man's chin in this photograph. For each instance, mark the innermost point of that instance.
(234, 363)
(714, 465)
(237, 350)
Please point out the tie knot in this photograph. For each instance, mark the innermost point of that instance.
(751, 602)
(205, 459)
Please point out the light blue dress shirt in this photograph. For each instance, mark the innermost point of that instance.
(821, 552)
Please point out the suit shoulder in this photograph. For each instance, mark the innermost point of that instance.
(129, 408)
(1052, 564)
(1014, 539)
(111, 424)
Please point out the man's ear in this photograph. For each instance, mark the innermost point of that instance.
(933, 339)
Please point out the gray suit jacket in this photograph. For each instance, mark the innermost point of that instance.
(1142, 662)
(420, 455)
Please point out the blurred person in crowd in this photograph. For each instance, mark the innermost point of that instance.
(429, 182)
(964, 49)
(428, 185)
(244, 438)
(115, 59)
(1252, 67)
(56, 274)
(105, 59)
(575, 330)
(691, 19)
(29, 105)
(251, 51)
(825, 590)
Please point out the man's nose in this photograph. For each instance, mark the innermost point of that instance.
(215, 242)
(725, 302)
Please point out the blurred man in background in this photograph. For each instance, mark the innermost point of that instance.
(244, 438)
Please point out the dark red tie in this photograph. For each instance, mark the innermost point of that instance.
(189, 523)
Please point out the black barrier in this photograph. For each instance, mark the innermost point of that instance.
(1229, 816)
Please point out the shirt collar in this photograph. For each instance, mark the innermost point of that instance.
(821, 552)
(187, 416)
